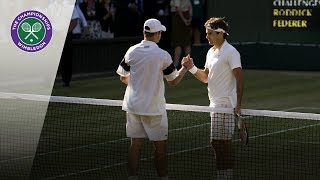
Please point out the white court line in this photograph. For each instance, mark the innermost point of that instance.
(123, 139)
(64, 150)
(301, 142)
(295, 108)
(94, 144)
(183, 151)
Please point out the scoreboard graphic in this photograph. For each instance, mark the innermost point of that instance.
(295, 15)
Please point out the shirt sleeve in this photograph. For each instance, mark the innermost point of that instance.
(170, 71)
(234, 60)
(81, 16)
(75, 14)
(206, 63)
(123, 69)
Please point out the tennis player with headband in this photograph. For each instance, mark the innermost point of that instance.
(143, 69)
(223, 74)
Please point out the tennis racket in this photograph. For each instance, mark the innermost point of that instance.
(36, 27)
(243, 131)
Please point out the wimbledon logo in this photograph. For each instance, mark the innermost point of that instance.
(31, 31)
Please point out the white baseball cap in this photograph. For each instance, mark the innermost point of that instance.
(153, 25)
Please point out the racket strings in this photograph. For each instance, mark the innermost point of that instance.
(244, 136)
(26, 27)
(36, 27)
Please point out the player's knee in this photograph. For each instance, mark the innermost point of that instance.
(217, 144)
(160, 152)
(136, 145)
(223, 155)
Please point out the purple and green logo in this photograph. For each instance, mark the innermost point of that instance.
(31, 31)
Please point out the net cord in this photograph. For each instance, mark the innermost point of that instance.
(178, 107)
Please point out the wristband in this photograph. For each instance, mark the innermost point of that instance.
(193, 70)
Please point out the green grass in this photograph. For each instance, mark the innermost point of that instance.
(273, 90)
(89, 142)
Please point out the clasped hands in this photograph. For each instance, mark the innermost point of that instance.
(187, 62)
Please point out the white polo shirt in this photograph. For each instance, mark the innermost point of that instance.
(221, 81)
(147, 65)
(75, 14)
(82, 22)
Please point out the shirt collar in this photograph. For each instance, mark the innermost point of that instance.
(224, 45)
(149, 43)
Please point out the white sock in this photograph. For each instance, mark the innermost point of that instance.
(133, 178)
(226, 174)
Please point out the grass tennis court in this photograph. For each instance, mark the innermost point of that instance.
(89, 141)
(273, 90)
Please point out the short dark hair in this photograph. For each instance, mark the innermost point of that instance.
(217, 22)
(149, 34)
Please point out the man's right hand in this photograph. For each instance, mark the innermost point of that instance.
(187, 62)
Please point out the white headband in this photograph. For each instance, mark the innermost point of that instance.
(218, 30)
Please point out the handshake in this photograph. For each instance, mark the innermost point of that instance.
(187, 63)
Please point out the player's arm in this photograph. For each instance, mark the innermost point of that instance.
(125, 79)
(74, 20)
(173, 76)
(124, 71)
(177, 80)
(73, 24)
(200, 74)
(237, 72)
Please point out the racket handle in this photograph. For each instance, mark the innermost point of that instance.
(239, 121)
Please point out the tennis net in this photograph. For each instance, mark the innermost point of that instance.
(84, 138)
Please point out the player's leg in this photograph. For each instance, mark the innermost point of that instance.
(160, 158)
(136, 132)
(157, 129)
(66, 62)
(134, 156)
(224, 158)
(222, 127)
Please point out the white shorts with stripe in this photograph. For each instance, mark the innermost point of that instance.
(222, 125)
(155, 128)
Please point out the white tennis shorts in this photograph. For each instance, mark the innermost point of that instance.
(155, 128)
(222, 125)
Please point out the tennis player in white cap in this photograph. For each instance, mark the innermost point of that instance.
(143, 69)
